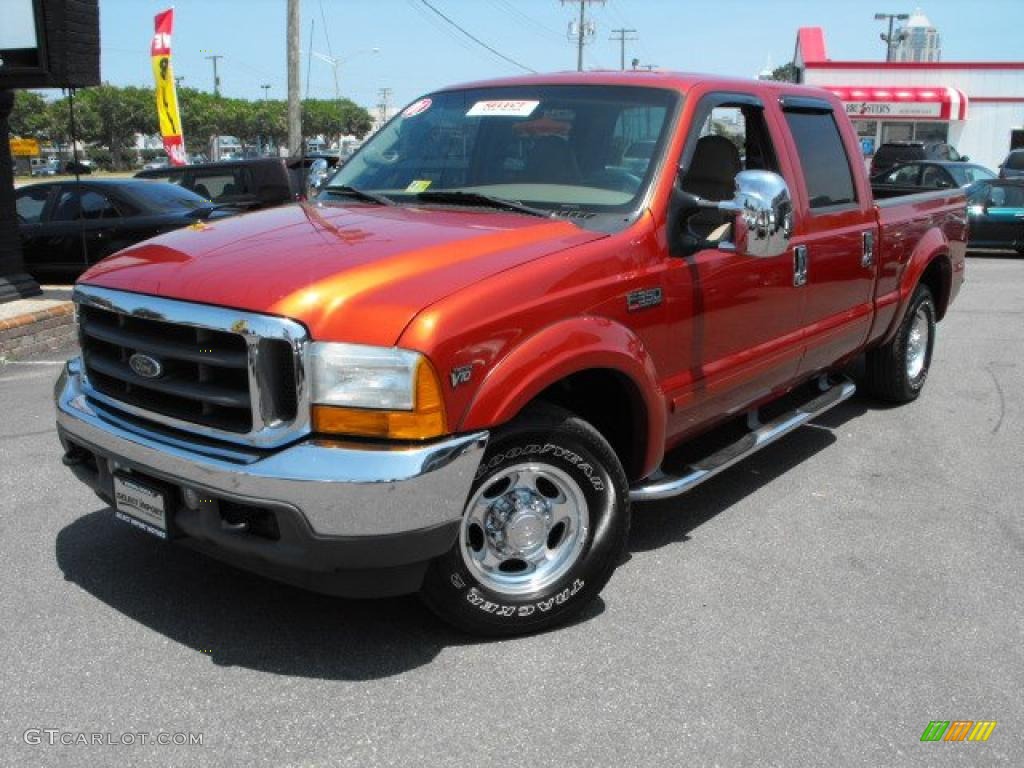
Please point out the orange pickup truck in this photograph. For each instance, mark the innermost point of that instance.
(522, 306)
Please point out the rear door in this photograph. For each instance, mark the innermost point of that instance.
(835, 227)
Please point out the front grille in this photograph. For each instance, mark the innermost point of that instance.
(226, 374)
(205, 376)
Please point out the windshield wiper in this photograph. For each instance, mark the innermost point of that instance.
(459, 197)
(359, 194)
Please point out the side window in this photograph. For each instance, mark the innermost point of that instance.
(67, 206)
(745, 127)
(906, 174)
(935, 177)
(217, 186)
(31, 202)
(97, 206)
(823, 158)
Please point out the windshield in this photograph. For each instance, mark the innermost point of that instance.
(548, 146)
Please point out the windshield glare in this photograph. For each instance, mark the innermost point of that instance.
(546, 146)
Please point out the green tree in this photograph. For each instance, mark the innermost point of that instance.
(787, 73)
(112, 116)
(28, 118)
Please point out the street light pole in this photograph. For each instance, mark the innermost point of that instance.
(888, 38)
(266, 90)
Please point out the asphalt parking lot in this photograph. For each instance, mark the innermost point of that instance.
(817, 605)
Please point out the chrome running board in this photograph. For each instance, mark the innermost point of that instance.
(663, 486)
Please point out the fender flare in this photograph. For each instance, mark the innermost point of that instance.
(558, 351)
(930, 248)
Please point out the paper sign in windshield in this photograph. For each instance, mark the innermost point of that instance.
(418, 108)
(502, 108)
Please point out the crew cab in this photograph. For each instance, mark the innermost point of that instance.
(456, 369)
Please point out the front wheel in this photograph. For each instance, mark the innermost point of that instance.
(897, 370)
(543, 530)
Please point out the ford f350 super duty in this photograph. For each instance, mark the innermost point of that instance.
(522, 306)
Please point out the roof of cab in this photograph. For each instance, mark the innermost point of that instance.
(677, 81)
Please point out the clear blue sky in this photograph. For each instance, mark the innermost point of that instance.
(420, 52)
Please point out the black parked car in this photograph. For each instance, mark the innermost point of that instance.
(894, 153)
(68, 226)
(928, 175)
(996, 212)
(258, 182)
(1013, 166)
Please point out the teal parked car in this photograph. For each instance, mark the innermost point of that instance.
(995, 208)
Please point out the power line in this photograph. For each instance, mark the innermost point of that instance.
(623, 36)
(477, 40)
(528, 21)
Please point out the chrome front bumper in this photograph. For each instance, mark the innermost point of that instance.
(342, 489)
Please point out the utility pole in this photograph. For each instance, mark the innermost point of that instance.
(889, 39)
(586, 29)
(382, 105)
(177, 80)
(216, 79)
(266, 90)
(622, 36)
(294, 82)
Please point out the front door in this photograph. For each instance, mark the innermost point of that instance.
(737, 322)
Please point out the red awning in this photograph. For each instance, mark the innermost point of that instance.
(877, 103)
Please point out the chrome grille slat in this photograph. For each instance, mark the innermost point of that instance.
(197, 390)
(177, 350)
(228, 374)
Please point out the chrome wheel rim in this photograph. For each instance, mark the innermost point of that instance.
(524, 529)
(917, 343)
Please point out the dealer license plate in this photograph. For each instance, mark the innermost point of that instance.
(140, 505)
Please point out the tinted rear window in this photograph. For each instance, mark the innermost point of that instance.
(1015, 161)
(823, 158)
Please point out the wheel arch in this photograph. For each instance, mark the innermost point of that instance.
(588, 366)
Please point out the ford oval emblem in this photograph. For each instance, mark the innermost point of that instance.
(145, 366)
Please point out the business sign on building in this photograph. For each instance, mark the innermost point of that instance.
(880, 109)
(873, 103)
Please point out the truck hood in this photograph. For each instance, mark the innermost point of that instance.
(350, 273)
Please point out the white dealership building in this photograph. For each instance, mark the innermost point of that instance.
(977, 106)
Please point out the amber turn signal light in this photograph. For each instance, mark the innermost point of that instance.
(425, 421)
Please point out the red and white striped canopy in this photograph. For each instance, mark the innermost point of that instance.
(880, 103)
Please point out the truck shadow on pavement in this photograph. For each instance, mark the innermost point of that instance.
(240, 619)
(244, 620)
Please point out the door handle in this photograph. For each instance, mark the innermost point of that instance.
(867, 251)
(800, 265)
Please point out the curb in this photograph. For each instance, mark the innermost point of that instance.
(35, 332)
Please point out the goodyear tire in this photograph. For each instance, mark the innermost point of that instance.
(897, 371)
(543, 529)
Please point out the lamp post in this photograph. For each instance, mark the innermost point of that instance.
(888, 39)
(336, 62)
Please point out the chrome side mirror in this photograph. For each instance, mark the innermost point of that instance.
(764, 215)
(315, 176)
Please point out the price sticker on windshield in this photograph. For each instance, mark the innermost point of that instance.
(502, 108)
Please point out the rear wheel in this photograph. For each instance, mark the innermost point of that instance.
(897, 371)
(543, 530)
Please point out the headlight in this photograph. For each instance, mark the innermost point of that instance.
(375, 392)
